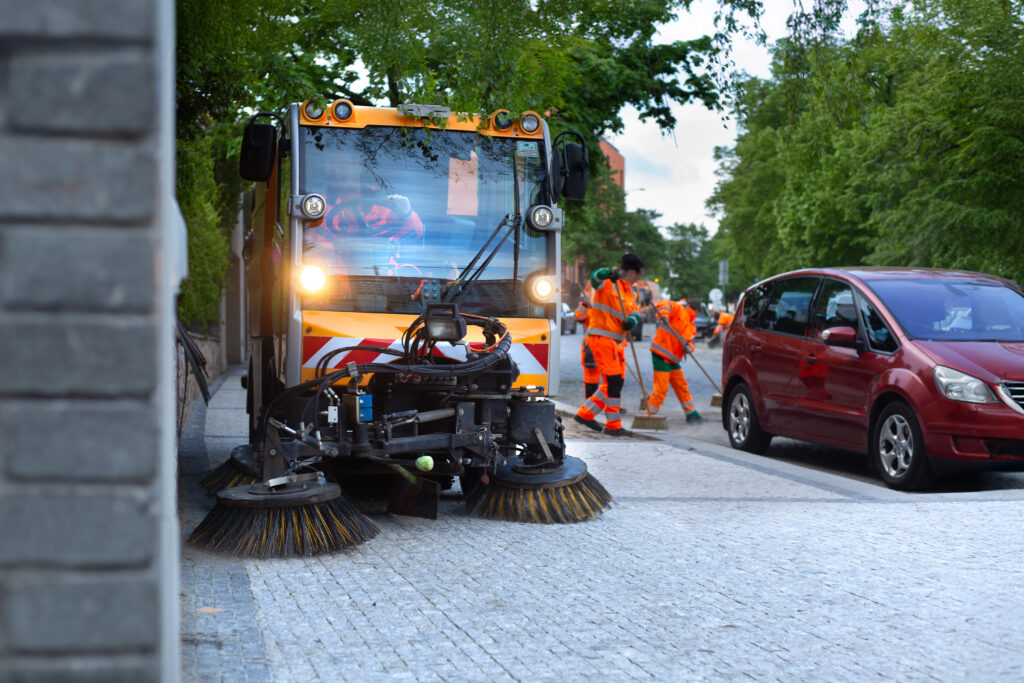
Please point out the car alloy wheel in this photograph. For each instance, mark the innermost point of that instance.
(739, 417)
(745, 431)
(898, 449)
(896, 446)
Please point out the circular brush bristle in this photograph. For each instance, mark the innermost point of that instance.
(301, 530)
(576, 502)
(227, 475)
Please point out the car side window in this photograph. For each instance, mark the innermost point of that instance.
(788, 308)
(754, 302)
(880, 337)
(835, 307)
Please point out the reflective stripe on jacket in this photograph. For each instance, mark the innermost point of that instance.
(679, 318)
(606, 315)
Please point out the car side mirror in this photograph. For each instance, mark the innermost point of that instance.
(840, 336)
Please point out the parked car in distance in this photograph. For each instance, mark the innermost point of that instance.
(922, 370)
(568, 319)
(703, 322)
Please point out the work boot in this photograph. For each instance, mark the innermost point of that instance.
(593, 424)
(618, 432)
(694, 417)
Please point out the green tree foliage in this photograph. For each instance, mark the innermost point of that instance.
(693, 267)
(903, 146)
(577, 61)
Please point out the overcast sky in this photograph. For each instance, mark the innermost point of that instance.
(674, 174)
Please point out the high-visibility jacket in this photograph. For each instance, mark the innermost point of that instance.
(724, 320)
(606, 313)
(673, 316)
(581, 314)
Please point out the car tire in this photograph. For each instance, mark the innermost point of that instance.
(897, 449)
(741, 422)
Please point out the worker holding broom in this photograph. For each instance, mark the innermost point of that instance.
(613, 313)
(671, 343)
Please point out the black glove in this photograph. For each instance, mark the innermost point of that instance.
(614, 276)
(630, 322)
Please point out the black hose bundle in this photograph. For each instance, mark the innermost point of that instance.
(415, 345)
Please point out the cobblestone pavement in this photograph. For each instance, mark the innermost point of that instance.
(711, 564)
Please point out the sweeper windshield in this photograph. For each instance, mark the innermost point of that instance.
(408, 209)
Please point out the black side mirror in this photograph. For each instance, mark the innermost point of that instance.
(259, 152)
(557, 176)
(569, 167)
(577, 167)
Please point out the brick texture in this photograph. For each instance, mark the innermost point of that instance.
(77, 270)
(76, 180)
(89, 616)
(130, 669)
(73, 19)
(75, 531)
(82, 92)
(88, 589)
(65, 355)
(77, 441)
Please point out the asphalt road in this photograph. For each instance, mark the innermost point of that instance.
(823, 458)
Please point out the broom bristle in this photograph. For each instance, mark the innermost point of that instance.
(228, 474)
(576, 502)
(650, 422)
(299, 530)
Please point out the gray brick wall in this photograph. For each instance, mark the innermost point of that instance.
(88, 537)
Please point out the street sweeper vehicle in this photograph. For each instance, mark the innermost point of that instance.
(403, 278)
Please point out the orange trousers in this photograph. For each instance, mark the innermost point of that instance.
(608, 397)
(677, 380)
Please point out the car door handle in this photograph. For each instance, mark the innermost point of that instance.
(811, 359)
(756, 348)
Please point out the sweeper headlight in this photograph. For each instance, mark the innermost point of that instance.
(312, 110)
(541, 288)
(530, 122)
(543, 217)
(312, 278)
(313, 206)
(442, 322)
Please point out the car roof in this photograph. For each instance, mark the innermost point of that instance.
(874, 273)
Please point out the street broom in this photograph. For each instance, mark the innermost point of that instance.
(641, 421)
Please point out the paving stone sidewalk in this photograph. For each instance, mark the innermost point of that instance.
(710, 565)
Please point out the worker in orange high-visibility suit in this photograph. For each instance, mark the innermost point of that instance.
(591, 375)
(671, 343)
(613, 313)
(724, 320)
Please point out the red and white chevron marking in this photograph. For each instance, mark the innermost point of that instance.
(532, 359)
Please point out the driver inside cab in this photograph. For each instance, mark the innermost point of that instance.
(358, 204)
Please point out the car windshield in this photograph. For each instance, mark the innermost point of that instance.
(954, 310)
(409, 208)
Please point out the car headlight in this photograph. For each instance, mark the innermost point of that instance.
(312, 278)
(959, 386)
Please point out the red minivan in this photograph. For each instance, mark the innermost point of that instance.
(920, 369)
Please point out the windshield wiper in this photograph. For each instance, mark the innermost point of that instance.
(463, 281)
